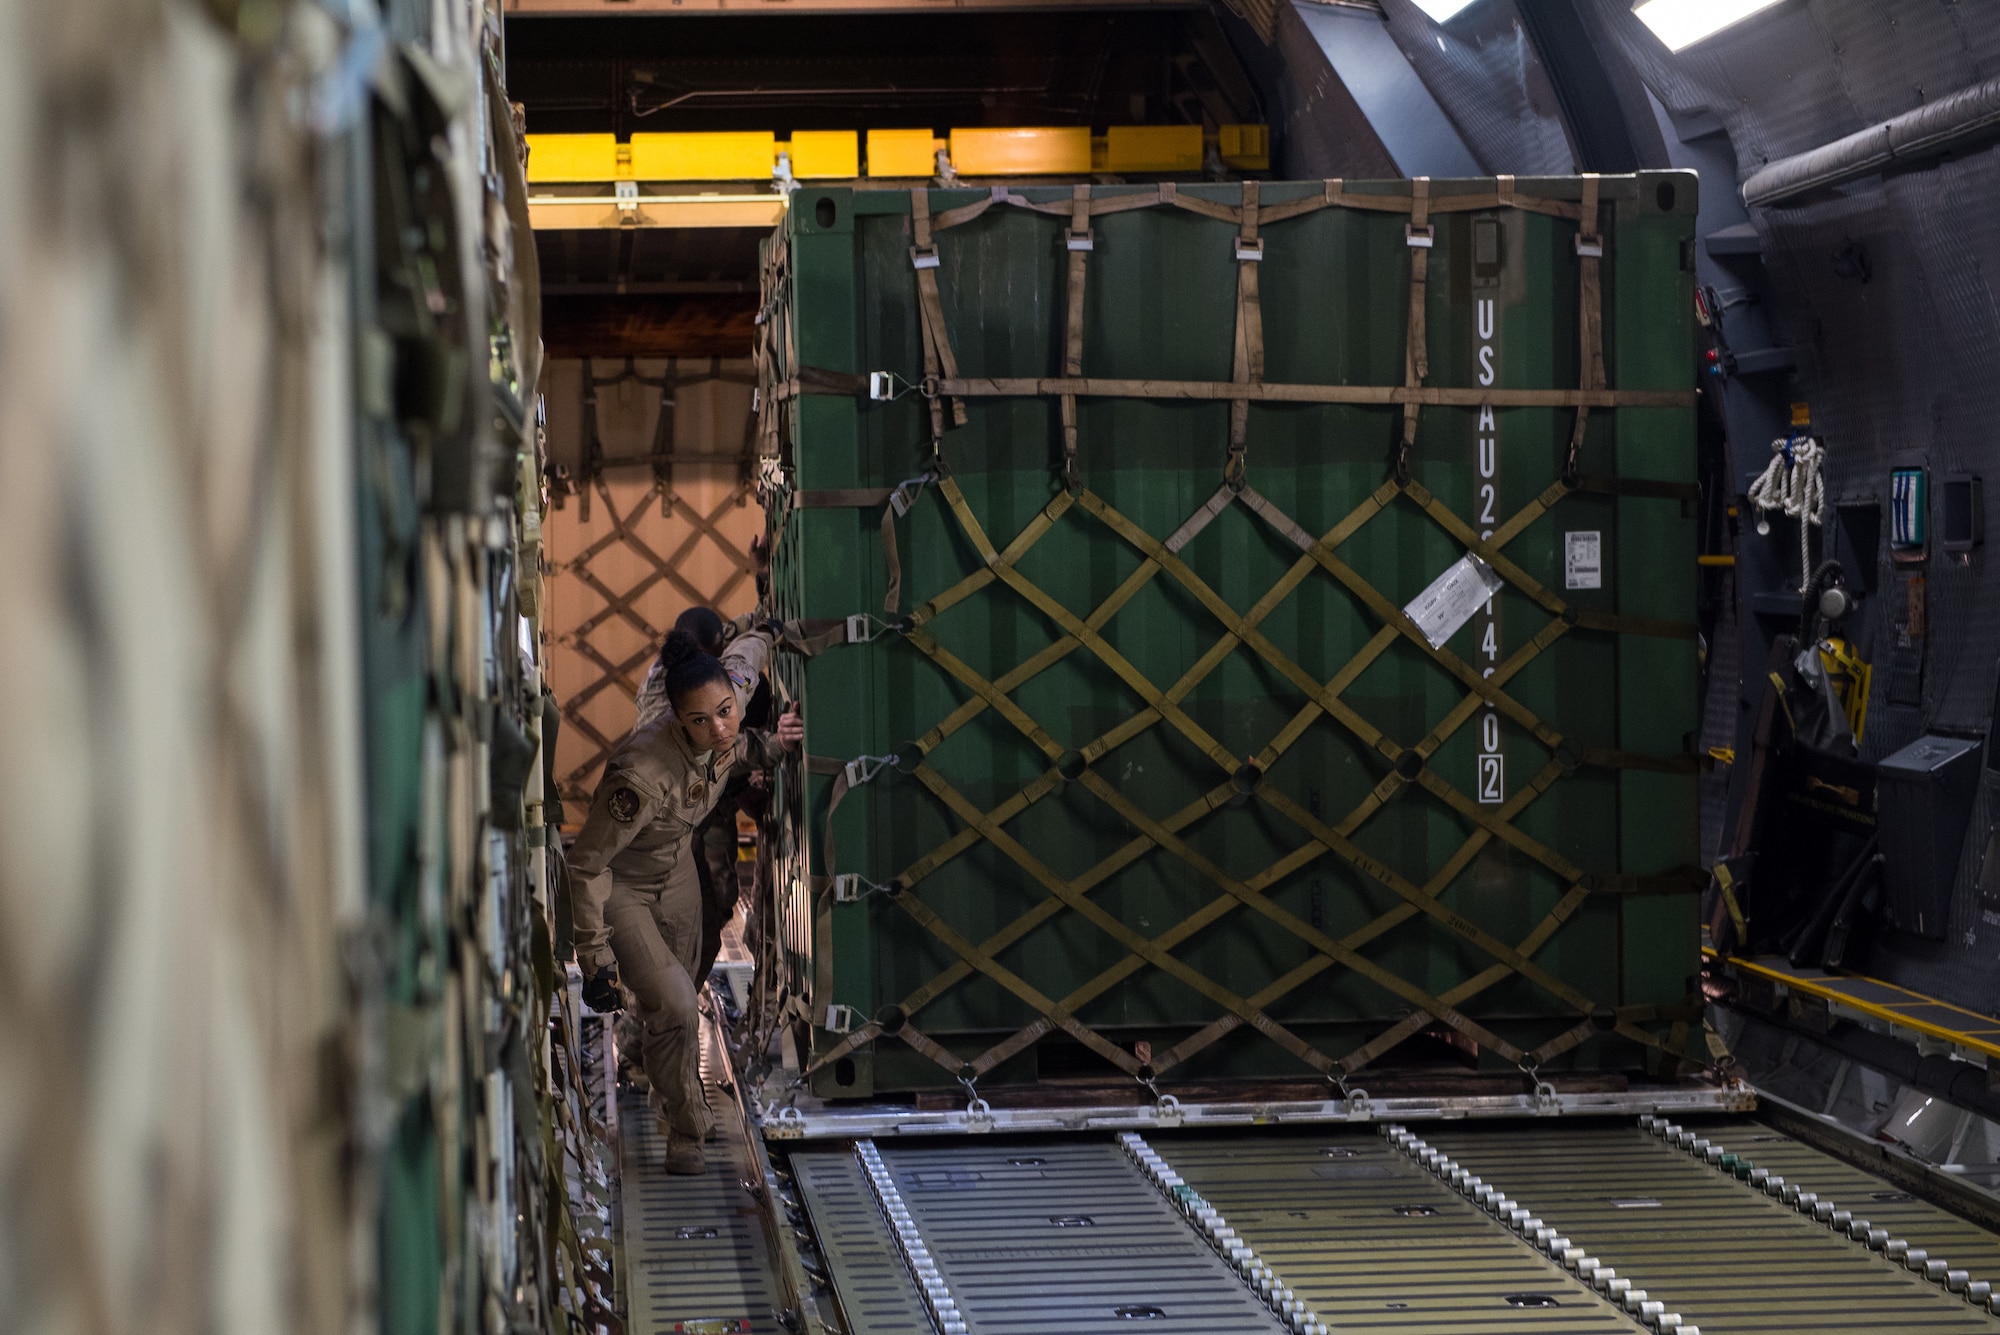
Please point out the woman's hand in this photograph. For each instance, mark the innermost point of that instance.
(791, 729)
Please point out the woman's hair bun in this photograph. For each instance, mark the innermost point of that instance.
(680, 647)
(688, 666)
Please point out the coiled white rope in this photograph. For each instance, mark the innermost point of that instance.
(1793, 484)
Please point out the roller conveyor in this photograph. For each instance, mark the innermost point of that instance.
(1570, 1228)
(1713, 1248)
(1375, 1245)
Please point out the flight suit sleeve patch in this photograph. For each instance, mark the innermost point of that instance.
(623, 804)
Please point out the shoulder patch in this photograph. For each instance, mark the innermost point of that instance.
(623, 804)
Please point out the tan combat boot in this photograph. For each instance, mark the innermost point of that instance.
(684, 1158)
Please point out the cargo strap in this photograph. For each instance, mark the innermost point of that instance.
(1420, 235)
(1079, 242)
(943, 383)
(1094, 387)
(895, 502)
(1589, 314)
(1249, 350)
(1163, 835)
(939, 363)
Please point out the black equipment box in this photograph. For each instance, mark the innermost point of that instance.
(1924, 797)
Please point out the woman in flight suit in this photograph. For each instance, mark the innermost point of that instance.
(637, 902)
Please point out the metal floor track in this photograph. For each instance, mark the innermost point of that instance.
(694, 1253)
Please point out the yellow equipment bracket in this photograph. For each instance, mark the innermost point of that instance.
(1850, 678)
(1913, 1012)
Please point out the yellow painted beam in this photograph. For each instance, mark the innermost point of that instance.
(687, 8)
(1152, 148)
(902, 153)
(726, 155)
(1245, 147)
(977, 151)
(554, 158)
(571, 212)
(824, 154)
(1024, 151)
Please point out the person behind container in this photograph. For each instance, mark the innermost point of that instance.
(637, 899)
(744, 650)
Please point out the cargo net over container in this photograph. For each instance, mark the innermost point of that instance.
(1241, 629)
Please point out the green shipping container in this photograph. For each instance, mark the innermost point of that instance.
(1274, 676)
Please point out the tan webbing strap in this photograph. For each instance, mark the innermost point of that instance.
(1110, 924)
(931, 1048)
(1138, 846)
(1092, 387)
(847, 775)
(983, 960)
(1249, 360)
(1297, 926)
(861, 498)
(1195, 204)
(807, 636)
(828, 767)
(939, 363)
(850, 1043)
(1420, 234)
(1072, 624)
(1079, 243)
(965, 213)
(1726, 883)
(1082, 885)
(1589, 314)
(1460, 925)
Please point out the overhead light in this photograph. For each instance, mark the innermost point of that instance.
(1682, 23)
(1440, 10)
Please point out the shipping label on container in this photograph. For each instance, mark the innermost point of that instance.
(1452, 598)
(1583, 560)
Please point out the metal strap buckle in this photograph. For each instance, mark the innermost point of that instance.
(861, 769)
(840, 1019)
(1250, 248)
(881, 386)
(1084, 240)
(906, 493)
(923, 257)
(1590, 247)
(860, 629)
(1422, 238)
(847, 888)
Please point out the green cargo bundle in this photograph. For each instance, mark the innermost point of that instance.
(1241, 627)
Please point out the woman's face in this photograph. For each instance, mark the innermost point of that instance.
(708, 713)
